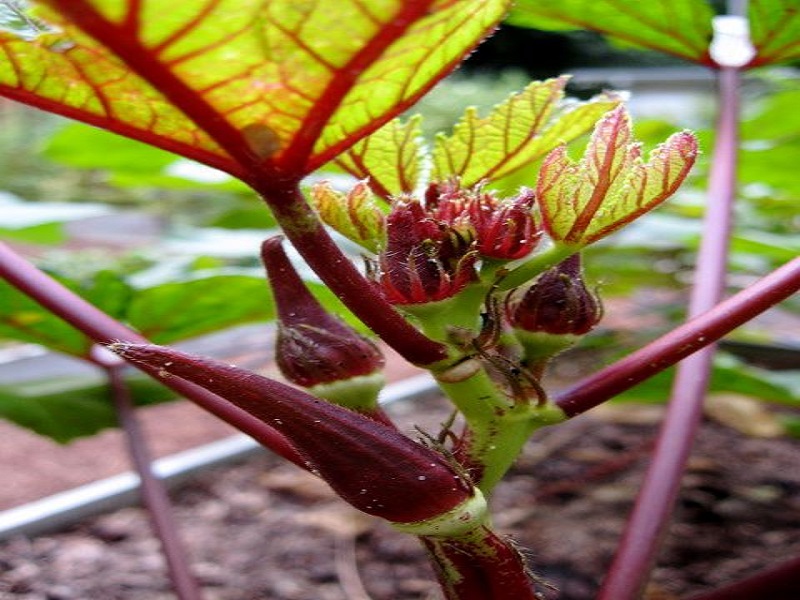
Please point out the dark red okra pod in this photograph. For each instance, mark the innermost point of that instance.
(370, 465)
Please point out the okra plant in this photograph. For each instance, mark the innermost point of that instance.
(465, 275)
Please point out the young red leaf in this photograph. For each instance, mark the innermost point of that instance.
(372, 466)
(240, 85)
(611, 185)
(515, 133)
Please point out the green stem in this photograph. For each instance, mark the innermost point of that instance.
(497, 427)
(537, 264)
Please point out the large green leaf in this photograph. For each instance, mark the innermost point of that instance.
(247, 86)
(775, 28)
(678, 27)
(175, 311)
(165, 313)
(67, 408)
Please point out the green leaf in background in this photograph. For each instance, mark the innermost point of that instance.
(44, 233)
(255, 217)
(64, 409)
(517, 132)
(678, 27)
(232, 83)
(682, 28)
(130, 163)
(176, 311)
(23, 319)
(728, 375)
(775, 29)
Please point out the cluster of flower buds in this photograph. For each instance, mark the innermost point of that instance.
(315, 349)
(433, 245)
(554, 312)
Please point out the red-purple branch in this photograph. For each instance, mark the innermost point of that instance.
(778, 583)
(682, 341)
(101, 328)
(302, 227)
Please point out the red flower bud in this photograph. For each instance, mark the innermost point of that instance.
(370, 465)
(313, 346)
(505, 229)
(558, 303)
(425, 260)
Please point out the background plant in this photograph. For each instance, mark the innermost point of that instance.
(273, 154)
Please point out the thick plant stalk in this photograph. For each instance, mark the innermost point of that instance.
(154, 495)
(101, 328)
(648, 521)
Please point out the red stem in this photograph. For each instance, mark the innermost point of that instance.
(778, 583)
(647, 524)
(101, 328)
(302, 227)
(154, 495)
(488, 568)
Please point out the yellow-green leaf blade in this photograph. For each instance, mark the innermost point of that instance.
(391, 158)
(241, 85)
(515, 133)
(430, 48)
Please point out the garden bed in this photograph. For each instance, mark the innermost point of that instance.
(263, 529)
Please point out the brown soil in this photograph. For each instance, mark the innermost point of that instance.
(266, 530)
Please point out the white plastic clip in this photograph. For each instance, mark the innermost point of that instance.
(731, 45)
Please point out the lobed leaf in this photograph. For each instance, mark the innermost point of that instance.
(240, 85)
(355, 214)
(517, 132)
(391, 158)
(176, 311)
(678, 27)
(611, 185)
